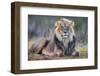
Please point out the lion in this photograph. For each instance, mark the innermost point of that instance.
(64, 31)
(61, 43)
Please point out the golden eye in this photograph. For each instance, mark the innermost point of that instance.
(61, 27)
(60, 24)
(64, 23)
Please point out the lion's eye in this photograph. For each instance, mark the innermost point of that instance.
(61, 27)
(65, 24)
(60, 24)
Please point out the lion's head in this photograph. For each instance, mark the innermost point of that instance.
(64, 29)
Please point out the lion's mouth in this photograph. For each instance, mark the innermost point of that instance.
(66, 35)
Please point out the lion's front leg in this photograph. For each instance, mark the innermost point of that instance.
(52, 52)
(75, 53)
(70, 51)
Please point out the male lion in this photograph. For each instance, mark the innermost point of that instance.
(62, 41)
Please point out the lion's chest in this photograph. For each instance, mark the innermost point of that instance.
(65, 43)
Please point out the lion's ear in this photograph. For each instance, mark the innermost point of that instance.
(73, 24)
(57, 23)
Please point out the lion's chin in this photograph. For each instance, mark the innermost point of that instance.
(65, 37)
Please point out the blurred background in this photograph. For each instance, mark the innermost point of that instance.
(39, 25)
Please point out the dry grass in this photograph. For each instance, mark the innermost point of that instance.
(83, 52)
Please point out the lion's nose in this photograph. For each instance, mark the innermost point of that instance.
(65, 32)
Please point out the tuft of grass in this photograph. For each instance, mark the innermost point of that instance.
(83, 51)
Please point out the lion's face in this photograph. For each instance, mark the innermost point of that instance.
(64, 29)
